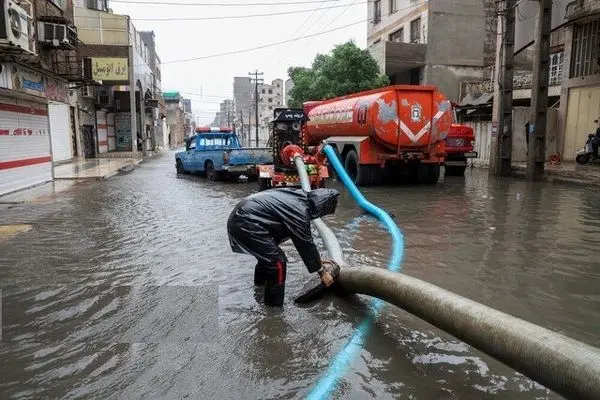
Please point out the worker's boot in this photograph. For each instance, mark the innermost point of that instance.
(260, 274)
(275, 285)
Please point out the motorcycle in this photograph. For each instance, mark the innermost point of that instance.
(586, 154)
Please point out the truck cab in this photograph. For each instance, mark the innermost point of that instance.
(217, 154)
(459, 145)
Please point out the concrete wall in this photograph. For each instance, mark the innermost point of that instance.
(483, 135)
(527, 12)
(457, 33)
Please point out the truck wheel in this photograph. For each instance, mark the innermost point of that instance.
(179, 167)
(428, 173)
(361, 175)
(211, 174)
(264, 184)
(455, 170)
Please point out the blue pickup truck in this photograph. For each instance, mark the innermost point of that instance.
(218, 155)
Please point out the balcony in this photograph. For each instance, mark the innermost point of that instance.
(101, 28)
(397, 58)
(581, 8)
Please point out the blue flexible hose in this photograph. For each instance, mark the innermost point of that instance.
(325, 387)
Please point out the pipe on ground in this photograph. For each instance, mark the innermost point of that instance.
(564, 365)
(329, 240)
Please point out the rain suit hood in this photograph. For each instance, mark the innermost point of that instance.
(322, 202)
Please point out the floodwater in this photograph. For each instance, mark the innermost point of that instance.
(127, 289)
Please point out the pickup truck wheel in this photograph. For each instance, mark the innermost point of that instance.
(455, 170)
(211, 174)
(179, 167)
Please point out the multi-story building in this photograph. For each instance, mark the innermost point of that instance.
(243, 93)
(227, 114)
(120, 112)
(175, 118)
(441, 42)
(573, 78)
(38, 63)
(270, 97)
(289, 85)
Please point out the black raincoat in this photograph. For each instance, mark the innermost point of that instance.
(264, 220)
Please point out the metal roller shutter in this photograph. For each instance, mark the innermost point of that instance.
(25, 158)
(60, 131)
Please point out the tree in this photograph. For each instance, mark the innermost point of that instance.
(347, 69)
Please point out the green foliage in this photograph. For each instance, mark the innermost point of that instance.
(348, 69)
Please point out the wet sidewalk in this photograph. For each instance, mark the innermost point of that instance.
(99, 168)
(566, 172)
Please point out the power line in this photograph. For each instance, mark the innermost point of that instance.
(334, 19)
(263, 46)
(281, 3)
(295, 32)
(219, 18)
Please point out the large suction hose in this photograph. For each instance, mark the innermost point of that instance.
(564, 365)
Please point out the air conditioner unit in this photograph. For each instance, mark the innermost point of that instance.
(87, 91)
(16, 26)
(58, 35)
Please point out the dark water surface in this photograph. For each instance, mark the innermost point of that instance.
(128, 289)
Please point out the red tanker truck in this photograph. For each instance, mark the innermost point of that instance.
(383, 133)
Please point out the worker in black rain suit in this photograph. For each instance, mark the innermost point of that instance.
(264, 220)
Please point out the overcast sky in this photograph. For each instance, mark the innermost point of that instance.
(209, 81)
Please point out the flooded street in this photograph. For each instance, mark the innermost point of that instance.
(128, 289)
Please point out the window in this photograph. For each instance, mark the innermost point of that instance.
(415, 31)
(397, 36)
(270, 99)
(556, 64)
(192, 144)
(585, 58)
(263, 91)
(270, 91)
(376, 11)
(393, 6)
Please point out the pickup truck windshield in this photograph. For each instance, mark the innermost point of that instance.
(217, 141)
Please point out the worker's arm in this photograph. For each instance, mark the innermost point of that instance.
(301, 236)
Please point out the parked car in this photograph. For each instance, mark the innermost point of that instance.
(217, 154)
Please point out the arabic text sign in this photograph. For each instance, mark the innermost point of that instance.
(110, 69)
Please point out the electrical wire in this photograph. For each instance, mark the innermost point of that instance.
(280, 3)
(293, 35)
(260, 47)
(218, 18)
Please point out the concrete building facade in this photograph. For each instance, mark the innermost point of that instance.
(175, 118)
(289, 85)
(122, 108)
(38, 117)
(243, 93)
(440, 42)
(574, 80)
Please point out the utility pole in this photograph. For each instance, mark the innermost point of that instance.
(539, 94)
(242, 126)
(256, 82)
(501, 157)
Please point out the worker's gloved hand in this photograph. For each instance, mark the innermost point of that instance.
(330, 269)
